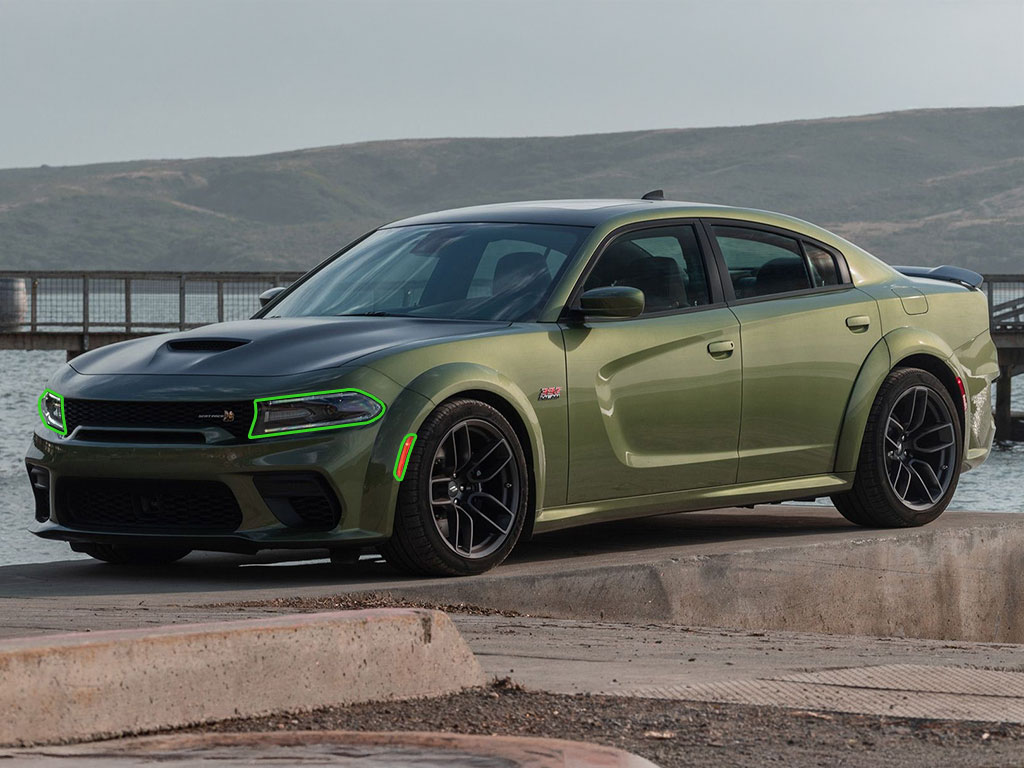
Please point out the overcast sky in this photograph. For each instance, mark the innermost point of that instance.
(95, 80)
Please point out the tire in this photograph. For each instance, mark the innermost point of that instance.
(910, 457)
(469, 525)
(127, 554)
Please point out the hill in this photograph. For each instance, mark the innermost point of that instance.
(919, 187)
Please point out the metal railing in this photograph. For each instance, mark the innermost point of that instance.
(1005, 302)
(128, 302)
(151, 302)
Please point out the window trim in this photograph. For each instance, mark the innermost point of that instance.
(571, 311)
(843, 270)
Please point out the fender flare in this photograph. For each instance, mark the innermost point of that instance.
(418, 400)
(895, 346)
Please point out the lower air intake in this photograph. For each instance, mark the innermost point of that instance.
(153, 506)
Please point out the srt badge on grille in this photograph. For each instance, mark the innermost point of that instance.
(225, 416)
(550, 393)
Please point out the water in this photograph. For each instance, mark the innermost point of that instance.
(995, 487)
(22, 377)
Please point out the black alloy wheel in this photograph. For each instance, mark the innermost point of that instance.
(910, 455)
(465, 497)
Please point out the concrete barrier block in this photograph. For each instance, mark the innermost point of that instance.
(87, 685)
(956, 579)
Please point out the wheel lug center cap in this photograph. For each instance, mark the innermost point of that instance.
(454, 490)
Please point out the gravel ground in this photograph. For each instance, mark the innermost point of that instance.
(355, 602)
(673, 733)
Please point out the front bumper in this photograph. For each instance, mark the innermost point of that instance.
(340, 459)
(354, 463)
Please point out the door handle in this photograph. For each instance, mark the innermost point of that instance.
(721, 349)
(858, 323)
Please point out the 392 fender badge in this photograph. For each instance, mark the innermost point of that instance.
(550, 393)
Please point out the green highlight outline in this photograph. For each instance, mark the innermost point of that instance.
(398, 458)
(63, 431)
(256, 412)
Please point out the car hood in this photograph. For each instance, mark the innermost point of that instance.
(270, 347)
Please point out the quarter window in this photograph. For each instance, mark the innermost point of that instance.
(823, 265)
(665, 263)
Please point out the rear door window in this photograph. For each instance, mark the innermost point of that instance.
(761, 263)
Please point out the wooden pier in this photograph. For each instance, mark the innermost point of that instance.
(78, 311)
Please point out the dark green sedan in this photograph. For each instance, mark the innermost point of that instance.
(451, 384)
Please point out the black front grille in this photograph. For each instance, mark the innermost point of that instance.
(147, 505)
(234, 416)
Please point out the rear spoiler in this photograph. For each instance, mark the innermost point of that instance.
(965, 277)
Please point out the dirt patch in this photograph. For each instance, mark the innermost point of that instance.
(673, 733)
(355, 602)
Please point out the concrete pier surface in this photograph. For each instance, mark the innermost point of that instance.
(797, 568)
(784, 607)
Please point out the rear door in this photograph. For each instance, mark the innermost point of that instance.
(805, 332)
(654, 401)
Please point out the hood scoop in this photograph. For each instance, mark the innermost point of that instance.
(205, 345)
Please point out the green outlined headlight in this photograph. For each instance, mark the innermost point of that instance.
(51, 412)
(313, 411)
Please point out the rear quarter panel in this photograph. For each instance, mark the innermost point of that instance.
(949, 322)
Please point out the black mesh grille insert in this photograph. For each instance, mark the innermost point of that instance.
(234, 416)
(300, 499)
(147, 505)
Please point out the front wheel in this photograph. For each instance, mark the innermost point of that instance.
(910, 457)
(464, 498)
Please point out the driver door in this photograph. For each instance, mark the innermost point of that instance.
(654, 401)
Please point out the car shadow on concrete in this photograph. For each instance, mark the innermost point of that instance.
(642, 540)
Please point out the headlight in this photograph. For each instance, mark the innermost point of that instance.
(288, 414)
(51, 411)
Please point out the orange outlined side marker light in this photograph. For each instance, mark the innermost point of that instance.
(402, 461)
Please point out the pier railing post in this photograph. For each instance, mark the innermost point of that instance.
(181, 303)
(85, 304)
(34, 312)
(1004, 416)
(988, 290)
(128, 305)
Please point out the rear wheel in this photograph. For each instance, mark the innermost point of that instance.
(126, 554)
(463, 502)
(910, 457)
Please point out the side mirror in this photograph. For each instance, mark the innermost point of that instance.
(618, 301)
(269, 295)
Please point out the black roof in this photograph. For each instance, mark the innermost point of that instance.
(584, 213)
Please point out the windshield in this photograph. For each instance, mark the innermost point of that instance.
(457, 271)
